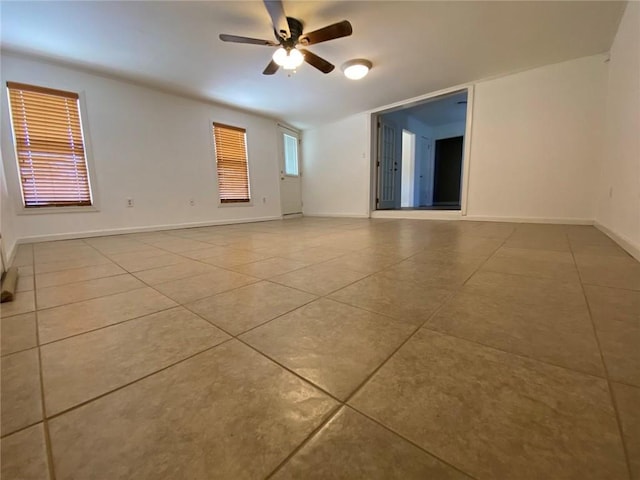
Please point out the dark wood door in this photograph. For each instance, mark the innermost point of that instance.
(447, 171)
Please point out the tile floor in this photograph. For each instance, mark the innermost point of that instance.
(324, 348)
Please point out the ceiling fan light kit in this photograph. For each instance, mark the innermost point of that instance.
(289, 35)
(288, 59)
(356, 69)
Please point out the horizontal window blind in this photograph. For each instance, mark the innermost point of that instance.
(231, 161)
(49, 146)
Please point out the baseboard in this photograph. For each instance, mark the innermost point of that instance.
(632, 248)
(152, 228)
(555, 221)
(337, 215)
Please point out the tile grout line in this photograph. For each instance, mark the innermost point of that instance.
(90, 298)
(103, 327)
(133, 273)
(332, 414)
(22, 429)
(521, 355)
(45, 422)
(245, 343)
(255, 326)
(389, 429)
(451, 295)
(608, 379)
(73, 282)
(230, 268)
(128, 384)
(288, 369)
(412, 335)
(341, 404)
(344, 404)
(180, 305)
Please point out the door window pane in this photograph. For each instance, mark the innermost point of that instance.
(290, 155)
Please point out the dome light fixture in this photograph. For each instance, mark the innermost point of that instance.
(356, 69)
(288, 59)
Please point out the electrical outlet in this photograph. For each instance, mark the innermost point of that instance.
(610, 192)
(192, 202)
(264, 199)
(129, 202)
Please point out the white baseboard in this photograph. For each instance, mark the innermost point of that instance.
(336, 215)
(624, 242)
(152, 228)
(555, 221)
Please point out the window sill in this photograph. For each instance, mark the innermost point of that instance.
(50, 210)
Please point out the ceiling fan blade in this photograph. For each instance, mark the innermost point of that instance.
(253, 41)
(316, 61)
(271, 68)
(337, 30)
(278, 18)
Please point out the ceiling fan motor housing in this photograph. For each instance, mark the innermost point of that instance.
(295, 28)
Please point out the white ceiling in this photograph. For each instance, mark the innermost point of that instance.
(416, 46)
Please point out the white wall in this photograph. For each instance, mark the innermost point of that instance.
(536, 140)
(618, 187)
(151, 146)
(336, 168)
(534, 147)
(6, 222)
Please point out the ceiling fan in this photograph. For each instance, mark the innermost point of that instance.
(289, 36)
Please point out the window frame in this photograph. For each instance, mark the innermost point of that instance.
(221, 204)
(17, 191)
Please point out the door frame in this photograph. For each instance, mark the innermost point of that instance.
(466, 152)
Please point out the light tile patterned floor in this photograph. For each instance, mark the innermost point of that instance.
(324, 348)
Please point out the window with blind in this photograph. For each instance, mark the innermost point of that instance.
(50, 151)
(231, 162)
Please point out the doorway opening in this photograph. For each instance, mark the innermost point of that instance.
(419, 154)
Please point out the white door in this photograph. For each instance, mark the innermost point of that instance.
(290, 184)
(387, 165)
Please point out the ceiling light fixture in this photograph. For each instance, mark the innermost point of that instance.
(356, 69)
(288, 59)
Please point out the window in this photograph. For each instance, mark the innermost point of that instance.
(231, 163)
(290, 155)
(50, 151)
